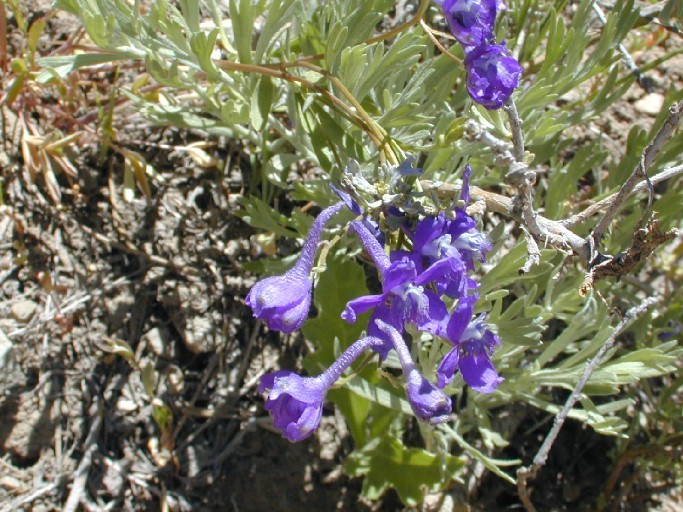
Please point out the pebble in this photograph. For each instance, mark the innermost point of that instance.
(6, 353)
(175, 380)
(198, 335)
(23, 311)
(650, 104)
(160, 342)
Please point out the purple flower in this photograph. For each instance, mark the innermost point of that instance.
(473, 345)
(404, 298)
(492, 74)
(456, 240)
(471, 21)
(428, 402)
(283, 302)
(296, 403)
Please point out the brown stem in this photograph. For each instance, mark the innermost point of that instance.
(374, 130)
(430, 34)
(638, 174)
(283, 75)
(424, 4)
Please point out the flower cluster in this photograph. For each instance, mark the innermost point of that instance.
(492, 73)
(418, 279)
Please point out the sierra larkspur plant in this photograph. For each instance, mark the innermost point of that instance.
(436, 264)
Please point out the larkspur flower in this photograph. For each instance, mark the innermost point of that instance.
(296, 402)
(471, 354)
(455, 240)
(492, 74)
(428, 402)
(283, 302)
(470, 21)
(404, 297)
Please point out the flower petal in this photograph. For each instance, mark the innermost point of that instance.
(479, 373)
(359, 306)
(446, 370)
(460, 318)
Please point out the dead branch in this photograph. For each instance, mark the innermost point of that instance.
(90, 446)
(638, 174)
(526, 473)
(645, 241)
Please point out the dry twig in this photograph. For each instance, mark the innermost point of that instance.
(527, 473)
(90, 446)
(638, 174)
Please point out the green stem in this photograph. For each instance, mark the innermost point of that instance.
(376, 132)
(359, 118)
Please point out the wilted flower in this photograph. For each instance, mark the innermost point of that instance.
(492, 74)
(471, 21)
(296, 403)
(428, 402)
(283, 302)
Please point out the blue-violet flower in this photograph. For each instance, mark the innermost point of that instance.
(283, 302)
(473, 345)
(455, 240)
(471, 21)
(404, 298)
(295, 402)
(428, 402)
(492, 74)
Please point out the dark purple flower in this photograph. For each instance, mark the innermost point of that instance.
(492, 74)
(404, 298)
(471, 21)
(455, 240)
(295, 402)
(477, 344)
(428, 402)
(283, 302)
(473, 345)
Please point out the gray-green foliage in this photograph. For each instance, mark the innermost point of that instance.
(227, 60)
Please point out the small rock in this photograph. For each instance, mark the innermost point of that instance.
(650, 104)
(175, 380)
(27, 426)
(6, 352)
(12, 484)
(23, 311)
(11, 375)
(198, 335)
(160, 342)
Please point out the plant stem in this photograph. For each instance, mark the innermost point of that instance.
(376, 132)
(422, 8)
(526, 473)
